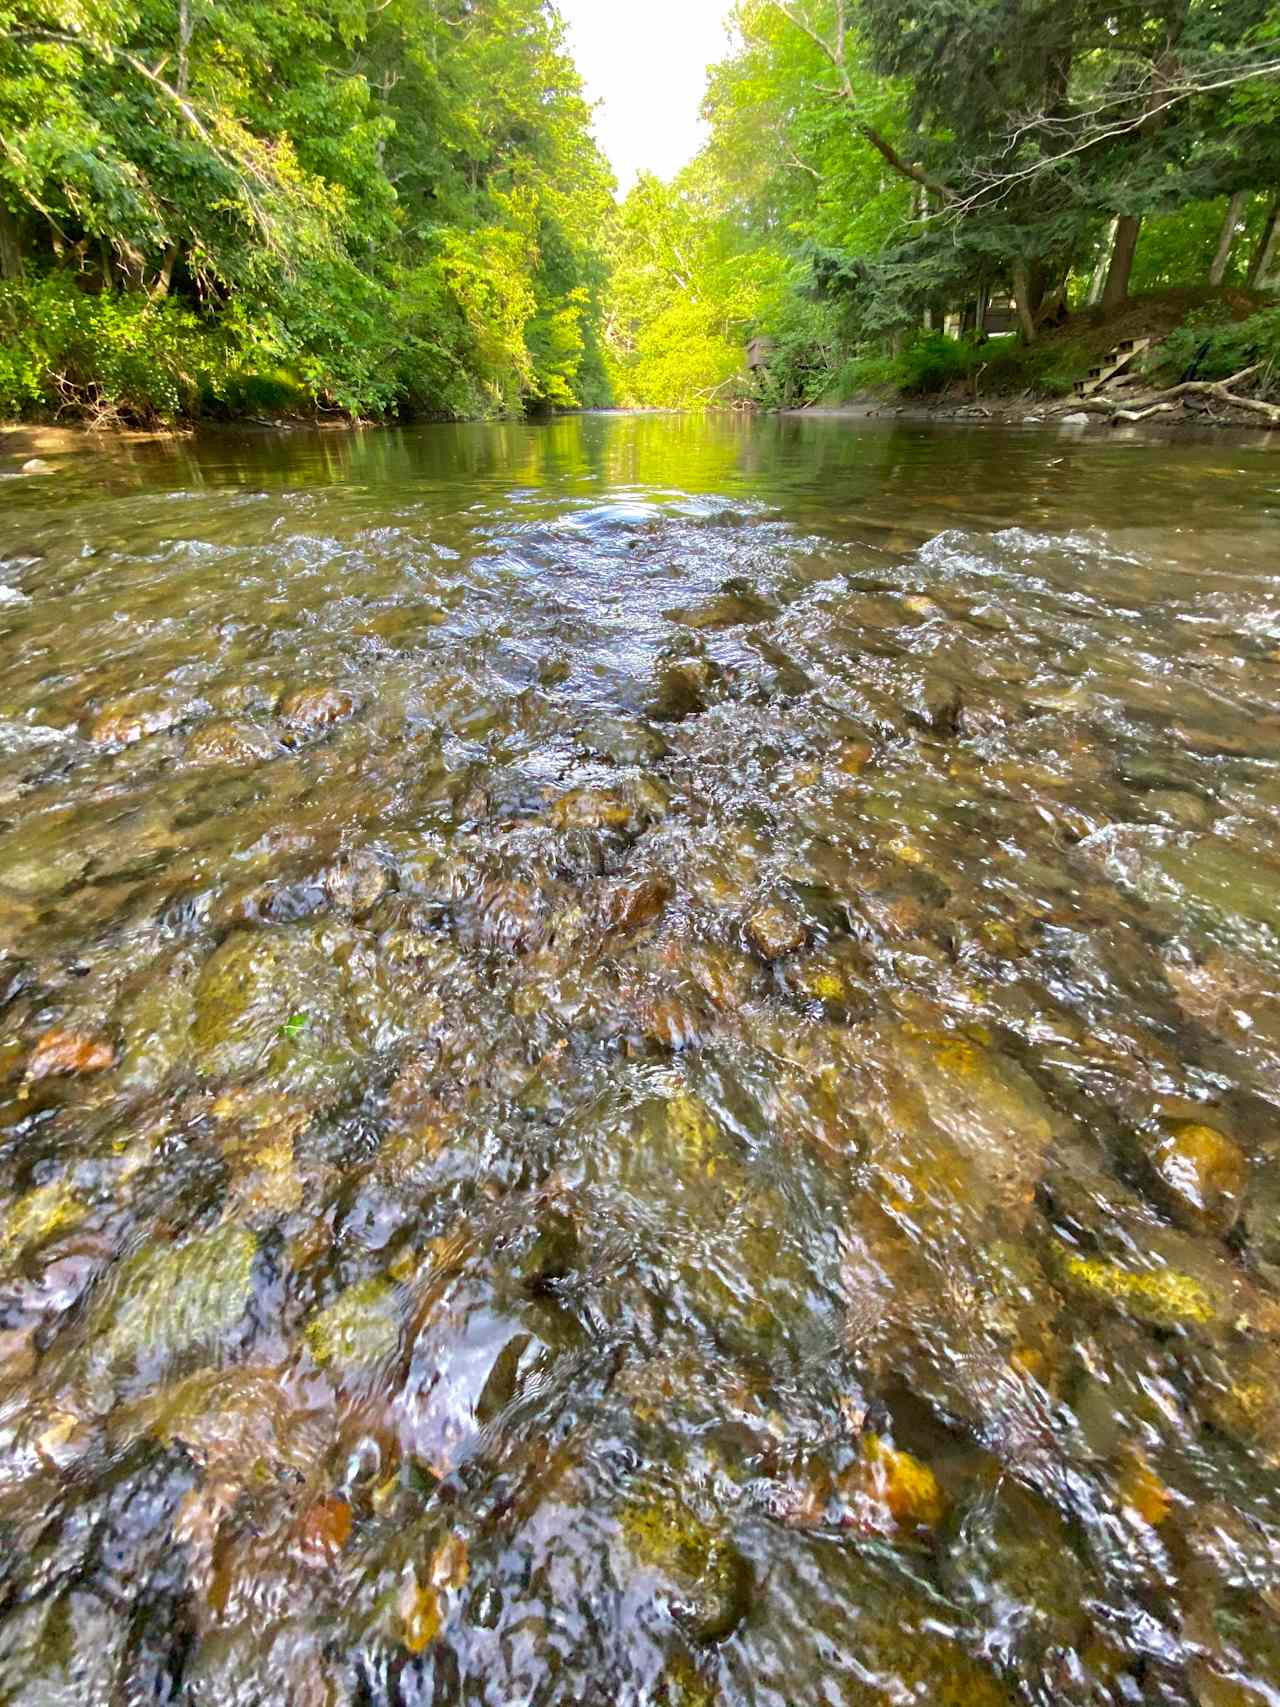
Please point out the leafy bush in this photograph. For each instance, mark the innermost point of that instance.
(1220, 346)
(64, 350)
(932, 363)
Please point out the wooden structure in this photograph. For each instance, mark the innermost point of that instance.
(759, 351)
(1110, 365)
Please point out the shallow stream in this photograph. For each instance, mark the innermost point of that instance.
(640, 1063)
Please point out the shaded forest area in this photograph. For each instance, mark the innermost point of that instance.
(369, 208)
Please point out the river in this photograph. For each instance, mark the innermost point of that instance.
(640, 1063)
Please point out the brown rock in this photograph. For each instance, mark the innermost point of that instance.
(668, 1022)
(854, 756)
(313, 708)
(356, 883)
(773, 932)
(228, 743)
(66, 1051)
(126, 721)
(1202, 1175)
(591, 809)
(324, 1531)
(628, 906)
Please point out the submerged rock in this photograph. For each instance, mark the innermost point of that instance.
(63, 1050)
(622, 741)
(773, 932)
(228, 743)
(309, 709)
(356, 883)
(167, 1299)
(1200, 1174)
(37, 1216)
(592, 809)
(630, 906)
(129, 720)
(887, 1489)
(965, 1106)
(283, 1001)
(360, 1329)
(707, 1581)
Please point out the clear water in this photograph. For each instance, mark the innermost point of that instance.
(640, 1062)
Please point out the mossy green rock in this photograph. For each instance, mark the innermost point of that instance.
(1172, 1284)
(709, 1581)
(359, 1329)
(249, 987)
(167, 1299)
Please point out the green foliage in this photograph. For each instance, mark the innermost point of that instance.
(1220, 347)
(889, 163)
(686, 295)
(357, 206)
(61, 349)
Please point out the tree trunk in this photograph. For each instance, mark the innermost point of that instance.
(184, 46)
(1235, 207)
(1022, 302)
(1125, 247)
(1265, 253)
(164, 278)
(1100, 271)
(10, 246)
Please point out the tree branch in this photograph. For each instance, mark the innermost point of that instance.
(835, 55)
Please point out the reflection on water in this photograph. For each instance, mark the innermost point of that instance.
(640, 1062)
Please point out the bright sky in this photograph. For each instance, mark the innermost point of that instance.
(646, 61)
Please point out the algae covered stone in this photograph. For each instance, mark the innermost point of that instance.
(360, 1329)
(1161, 1296)
(167, 1299)
(707, 1580)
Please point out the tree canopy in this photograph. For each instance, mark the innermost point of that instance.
(371, 204)
(883, 167)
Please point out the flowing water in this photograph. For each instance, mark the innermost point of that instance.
(640, 1063)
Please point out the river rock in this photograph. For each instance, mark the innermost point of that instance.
(309, 709)
(360, 1330)
(887, 1490)
(126, 721)
(629, 906)
(1011, 1550)
(37, 1216)
(167, 1299)
(774, 932)
(682, 689)
(1200, 1173)
(284, 1001)
(704, 1578)
(1173, 1280)
(66, 1050)
(228, 743)
(356, 883)
(966, 1119)
(734, 605)
(592, 809)
(622, 741)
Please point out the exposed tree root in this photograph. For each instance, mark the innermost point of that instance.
(1163, 402)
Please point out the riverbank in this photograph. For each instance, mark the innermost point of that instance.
(1188, 357)
(1025, 412)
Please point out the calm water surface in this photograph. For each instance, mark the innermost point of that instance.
(640, 1064)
